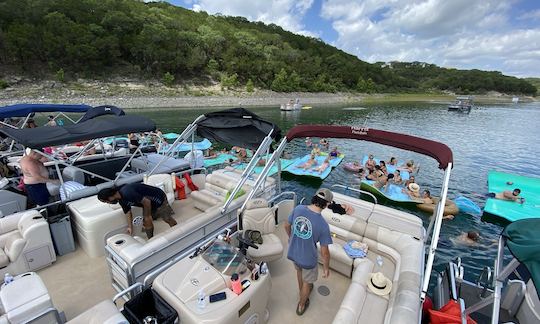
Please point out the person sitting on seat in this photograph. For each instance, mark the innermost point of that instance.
(334, 153)
(309, 163)
(324, 165)
(426, 197)
(370, 163)
(152, 199)
(51, 121)
(508, 195)
(397, 177)
(393, 161)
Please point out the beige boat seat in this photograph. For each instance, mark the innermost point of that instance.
(164, 182)
(215, 191)
(25, 243)
(102, 313)
(259, 217)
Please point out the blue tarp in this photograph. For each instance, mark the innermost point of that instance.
(23, 110)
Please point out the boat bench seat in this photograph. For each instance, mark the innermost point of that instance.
(395, 236)
(215, 191)
(102, 313)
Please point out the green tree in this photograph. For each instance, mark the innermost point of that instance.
(281, 82)
(229, 81)
(250, 87)
(60, 76)
(168, 79)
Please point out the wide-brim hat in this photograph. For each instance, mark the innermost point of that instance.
(414, 187)
(379, 284)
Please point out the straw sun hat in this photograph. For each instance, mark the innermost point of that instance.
(414, 187)
(379, 284)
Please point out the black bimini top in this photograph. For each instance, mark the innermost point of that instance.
(237, 126)
(101, 111)
(41, 137)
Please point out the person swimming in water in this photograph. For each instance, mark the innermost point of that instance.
(334, 153)
(426, 197)
(508, 195)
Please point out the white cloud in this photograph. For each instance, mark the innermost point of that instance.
(457, 33)
(285, 13)
(532, 15)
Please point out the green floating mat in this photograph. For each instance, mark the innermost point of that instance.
(503, 211)
(393, 193)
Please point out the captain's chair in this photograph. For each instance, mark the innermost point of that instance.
(259, 217)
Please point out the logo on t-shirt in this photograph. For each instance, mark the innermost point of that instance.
(303, 228)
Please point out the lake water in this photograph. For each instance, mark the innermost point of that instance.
(491, 137)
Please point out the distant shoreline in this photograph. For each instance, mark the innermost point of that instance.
(136, 95)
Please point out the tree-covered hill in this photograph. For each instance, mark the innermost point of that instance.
(100, 38)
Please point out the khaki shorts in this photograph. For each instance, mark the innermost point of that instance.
(309, 275)
(164, 211)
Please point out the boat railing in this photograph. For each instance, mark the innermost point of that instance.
(136, 287)
(348, 188)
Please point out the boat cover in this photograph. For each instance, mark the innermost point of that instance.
(510, 211)
(237, 126)
(101, 111)
(312, 172)
(436, 150)
(523, 241)
(40, 137)
(23, 110)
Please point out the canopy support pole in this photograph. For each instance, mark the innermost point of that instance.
(436, 232)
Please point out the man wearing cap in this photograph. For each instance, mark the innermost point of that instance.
(306, 227)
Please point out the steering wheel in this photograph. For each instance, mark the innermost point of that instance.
(246, 241)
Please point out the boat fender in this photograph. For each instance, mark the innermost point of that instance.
(180, 188)
(190, 183)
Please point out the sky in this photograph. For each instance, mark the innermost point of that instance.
(500, 35)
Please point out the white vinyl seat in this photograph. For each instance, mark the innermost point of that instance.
(102, 313)
(259, 217)
(164, 182)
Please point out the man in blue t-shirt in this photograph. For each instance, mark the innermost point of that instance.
(305, 228)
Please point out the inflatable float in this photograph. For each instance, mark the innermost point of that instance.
(393, 193)
(352, 166)
(294, 168)
(467, 206)
(449, 209)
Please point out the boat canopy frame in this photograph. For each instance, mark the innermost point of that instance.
(438, 151)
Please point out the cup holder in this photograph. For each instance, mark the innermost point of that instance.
(120, 242)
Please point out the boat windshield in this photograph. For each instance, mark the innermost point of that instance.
(225, 258)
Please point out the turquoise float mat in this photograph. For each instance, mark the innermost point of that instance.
(170, 136)
(467, 206)
(220, 159)
(258, 169)
(511, 211)
(311, 172)
(390, 168)
(393, 192)
(205, 144)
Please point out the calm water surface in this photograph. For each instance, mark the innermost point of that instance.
(491, 137)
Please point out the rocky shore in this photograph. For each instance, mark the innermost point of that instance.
(136, 94)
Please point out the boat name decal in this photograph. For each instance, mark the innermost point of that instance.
(359, 130)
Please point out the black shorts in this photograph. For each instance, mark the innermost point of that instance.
(164, 211)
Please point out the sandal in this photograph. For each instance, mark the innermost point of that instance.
(301, 312)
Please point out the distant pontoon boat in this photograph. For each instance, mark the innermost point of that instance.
(462, 104)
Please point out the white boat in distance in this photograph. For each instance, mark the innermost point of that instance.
(462, 104)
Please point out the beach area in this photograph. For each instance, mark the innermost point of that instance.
(136, 94)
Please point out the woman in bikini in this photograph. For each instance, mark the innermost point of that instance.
(309, 163)
(324, 165)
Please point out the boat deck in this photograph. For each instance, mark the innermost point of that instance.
(285, 295)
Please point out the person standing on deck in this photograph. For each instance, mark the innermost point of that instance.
(35, 177)
(306, 227)
(152, 199)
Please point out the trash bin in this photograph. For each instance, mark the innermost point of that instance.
(148, 303)
(62, 234)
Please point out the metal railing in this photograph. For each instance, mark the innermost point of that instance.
(372, 196)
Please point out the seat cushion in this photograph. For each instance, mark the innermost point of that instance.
(102, 313)
(14, 245)
(4, 260)
(270, 250)
(339, 260)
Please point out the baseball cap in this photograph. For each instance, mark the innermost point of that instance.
(325, 194)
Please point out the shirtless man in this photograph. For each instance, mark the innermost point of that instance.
(35, 177)
(370, 163)
(426, 197)
(508, 195)
(411, 180)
